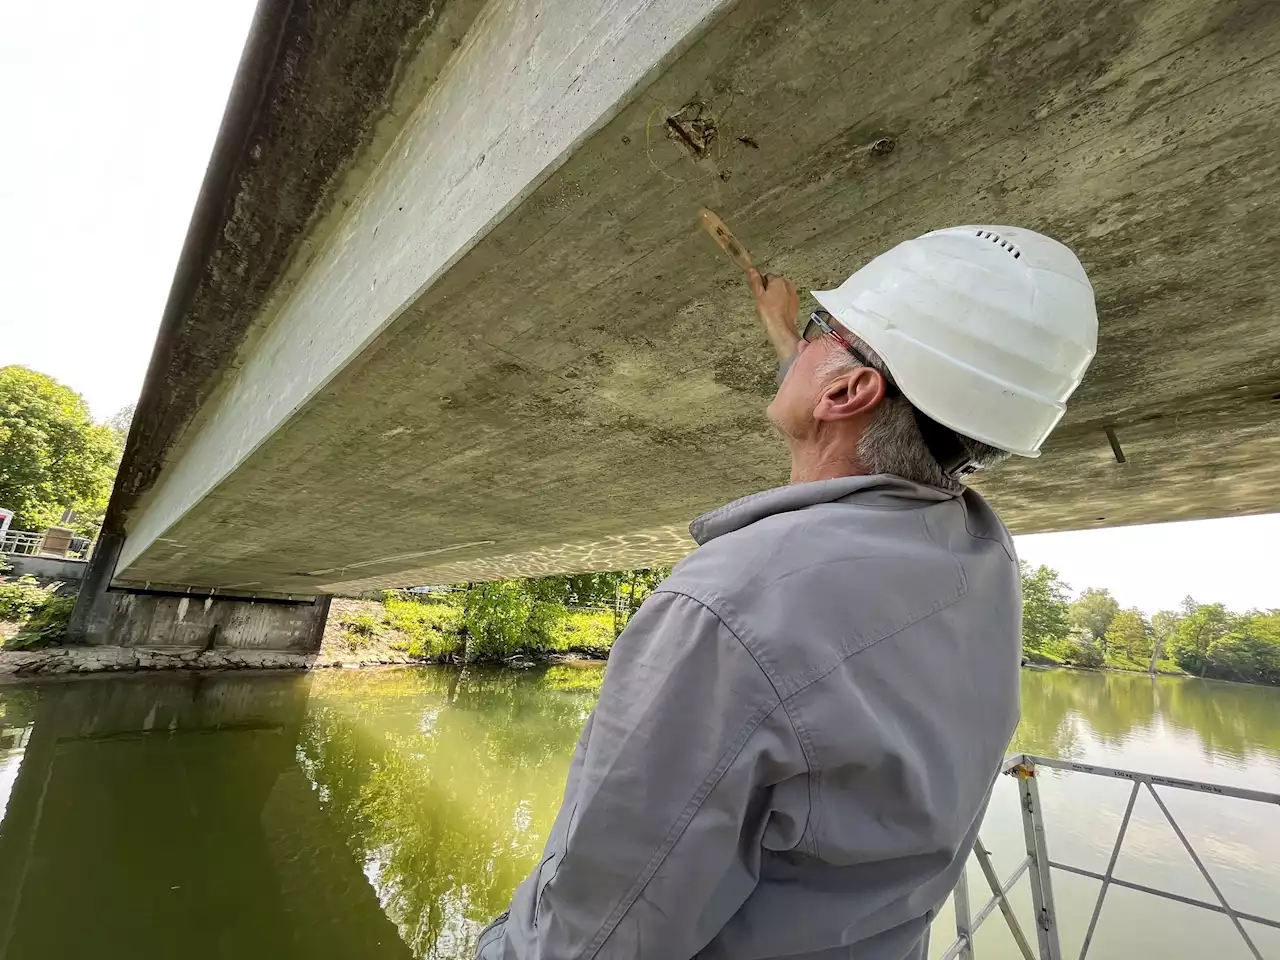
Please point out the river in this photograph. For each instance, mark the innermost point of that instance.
(387, 813)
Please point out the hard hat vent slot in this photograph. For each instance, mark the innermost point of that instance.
(999, 240)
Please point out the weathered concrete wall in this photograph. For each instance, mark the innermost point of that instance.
(47, 568)
(189, 623)
(144, 620)
(540, 363)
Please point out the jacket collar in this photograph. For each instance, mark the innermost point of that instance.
(881, 490)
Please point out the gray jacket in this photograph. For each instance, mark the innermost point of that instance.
(796, 738)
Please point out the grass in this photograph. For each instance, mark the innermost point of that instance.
(1069, 654)
(359, 630)
(588, 632)
(1041, 657)
(1116, 661)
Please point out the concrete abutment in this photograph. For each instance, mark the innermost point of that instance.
(197, 620)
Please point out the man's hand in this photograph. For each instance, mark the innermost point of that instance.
(777, 304)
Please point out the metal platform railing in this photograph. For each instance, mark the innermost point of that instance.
(1038, 864)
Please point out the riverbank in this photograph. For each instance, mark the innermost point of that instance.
(359, 633)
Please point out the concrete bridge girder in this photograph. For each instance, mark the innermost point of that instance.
(499, 345)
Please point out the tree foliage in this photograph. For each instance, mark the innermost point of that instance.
(1044, 607)
(53, 457)
(1201, 626)
(503, 619)
(1211, 641)
(1207, 640)
(1129, 638)
(121, 420)
(1250, 651)
(1092, 614)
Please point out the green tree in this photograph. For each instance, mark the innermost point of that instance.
(1163, 626)
(1092, 614)
(1129, 637)
(53, 457)
(1250, 651)
(1044, 607)
(495, 617)
(1200, 628)
(503, 618)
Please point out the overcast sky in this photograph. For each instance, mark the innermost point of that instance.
(110, 114)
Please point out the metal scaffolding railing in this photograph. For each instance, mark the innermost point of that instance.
(1038, 864)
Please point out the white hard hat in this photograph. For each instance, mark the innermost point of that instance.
(987, 330)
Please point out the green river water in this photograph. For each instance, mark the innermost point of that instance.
(388, 813)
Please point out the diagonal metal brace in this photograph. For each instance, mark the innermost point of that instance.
(993, 881)
(1226, 907)
(1111, 866)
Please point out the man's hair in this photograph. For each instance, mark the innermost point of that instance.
(892, 442)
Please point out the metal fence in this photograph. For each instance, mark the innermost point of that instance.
(22, 543)
(1038, 864)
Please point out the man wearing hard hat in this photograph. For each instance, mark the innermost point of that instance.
(799, 731)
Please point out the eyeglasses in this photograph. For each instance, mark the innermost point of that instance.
(818, 327)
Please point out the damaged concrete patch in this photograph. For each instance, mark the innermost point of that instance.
(693, 126)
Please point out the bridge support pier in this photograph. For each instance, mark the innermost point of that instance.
(133, 616)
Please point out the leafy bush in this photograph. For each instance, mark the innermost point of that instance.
(544, 626)
(47, 625)
(495, 617)
(430, 626)
(1076, 651)
(1085, 653)
(20, 598)
(502, 619)
(360, 629)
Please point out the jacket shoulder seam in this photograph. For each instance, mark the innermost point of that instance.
(977, 536)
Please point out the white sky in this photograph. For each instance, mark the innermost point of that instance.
(1153, 567)
(110, 113)
(111, 110)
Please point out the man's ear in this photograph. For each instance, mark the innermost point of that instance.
(854, 393)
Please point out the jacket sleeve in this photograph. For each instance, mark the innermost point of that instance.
(662, 843)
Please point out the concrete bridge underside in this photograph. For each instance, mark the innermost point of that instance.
(445, 313)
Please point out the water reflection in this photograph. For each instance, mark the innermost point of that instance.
(444, 784)
(1065, 713)
(162, 817)
(390, 813)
